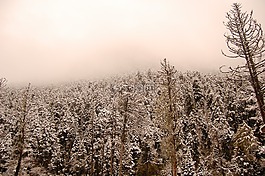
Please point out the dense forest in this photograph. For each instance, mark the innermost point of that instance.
(148, 123)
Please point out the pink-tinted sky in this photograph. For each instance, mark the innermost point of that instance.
(51, 40)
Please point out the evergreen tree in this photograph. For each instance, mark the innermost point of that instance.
(245, 147)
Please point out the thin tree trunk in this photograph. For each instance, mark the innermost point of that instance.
(251, 67)
(92, 147)
(19, 162)
(21, 148)
(123, 135)
(174, 169)
(173, 157)
(111, 155)
(122, 145)
(102, 158)
(121, 159)
(257, 88)
(22, 130)
(173, 118)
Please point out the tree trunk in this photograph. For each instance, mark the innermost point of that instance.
(257, 88)
(19, 162)
(121, 159)
(173, 121)
(173, 157)
(112, 155)
(251, 66)
(170, 114)
(92, 148)
(123, 135)
(111, 161)
(246, 41)
(174, 168)
(122, 145)
(22, 130)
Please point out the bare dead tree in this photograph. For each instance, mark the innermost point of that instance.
(124, 111)
(245, 40)
(22, 129)
(168, 109)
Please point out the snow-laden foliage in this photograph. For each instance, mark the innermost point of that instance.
(124, 126)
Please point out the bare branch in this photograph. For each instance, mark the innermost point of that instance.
(246, 40)
(3, 82)
(235, 56)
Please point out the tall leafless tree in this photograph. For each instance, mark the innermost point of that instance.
(124, 112)
(168, 110)
(245, 40)
(22, 129)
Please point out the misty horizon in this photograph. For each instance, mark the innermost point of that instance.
(51, 41)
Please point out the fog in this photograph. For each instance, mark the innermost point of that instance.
(61, 40)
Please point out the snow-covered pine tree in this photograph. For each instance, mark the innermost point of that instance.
(245, 148)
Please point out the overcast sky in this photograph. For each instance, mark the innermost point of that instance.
(51, 40)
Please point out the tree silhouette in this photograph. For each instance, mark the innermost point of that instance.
(245, 40)
(22, 130)
(168, 110)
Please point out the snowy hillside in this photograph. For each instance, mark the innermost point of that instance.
(140, 124)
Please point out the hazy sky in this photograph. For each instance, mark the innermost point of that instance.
(52, 40)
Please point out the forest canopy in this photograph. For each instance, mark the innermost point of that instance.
(84, 127)
(149, 123)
